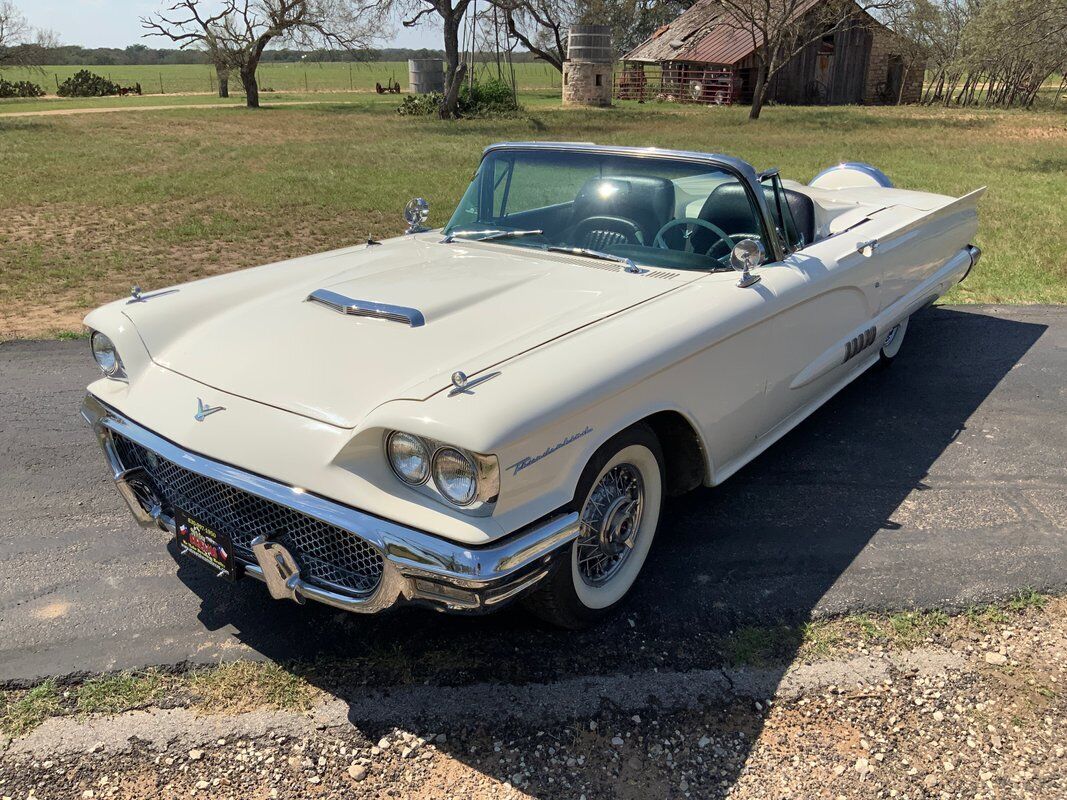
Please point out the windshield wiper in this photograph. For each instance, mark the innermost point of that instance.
(489, 235)
(628, 263)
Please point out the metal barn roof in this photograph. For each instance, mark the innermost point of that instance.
(706, 33)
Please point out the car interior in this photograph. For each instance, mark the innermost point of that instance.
(688, 221)
(628, 214)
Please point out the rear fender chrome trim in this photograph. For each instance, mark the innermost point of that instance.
(468, 578)
(367, 308)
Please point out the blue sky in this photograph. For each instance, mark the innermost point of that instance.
(114, 23)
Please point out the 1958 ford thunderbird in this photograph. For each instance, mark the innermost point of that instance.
(463, 417)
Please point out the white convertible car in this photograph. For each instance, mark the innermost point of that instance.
(462, 417)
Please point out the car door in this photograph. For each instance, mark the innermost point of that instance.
(822, 299)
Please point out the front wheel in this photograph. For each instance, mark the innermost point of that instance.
(619, 498)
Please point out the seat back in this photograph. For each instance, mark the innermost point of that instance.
(729, 207)
(646, 201)
(803, 209)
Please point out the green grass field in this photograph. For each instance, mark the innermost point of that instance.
(281, 77)
(92, 203)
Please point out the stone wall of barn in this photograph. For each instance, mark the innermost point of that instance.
(886, 56)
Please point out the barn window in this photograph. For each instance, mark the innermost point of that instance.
(564, 78)
(826, 45)
(598, 78)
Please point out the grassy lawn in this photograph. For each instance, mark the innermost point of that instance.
(93, 203)
(280, 77)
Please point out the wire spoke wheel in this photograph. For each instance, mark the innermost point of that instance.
(610, 520)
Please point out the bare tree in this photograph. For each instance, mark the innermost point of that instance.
(20, 44)
(540, 26)
(918, 27)
(451, 13)
(781, 29)
(236, 35)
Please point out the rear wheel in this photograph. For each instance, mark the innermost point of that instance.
(618, 499)
(892, 342)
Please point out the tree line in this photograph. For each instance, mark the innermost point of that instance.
(139, 54)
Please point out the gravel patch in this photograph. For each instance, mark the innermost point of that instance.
(940, 721)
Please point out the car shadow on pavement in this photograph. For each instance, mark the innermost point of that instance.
(822, 523)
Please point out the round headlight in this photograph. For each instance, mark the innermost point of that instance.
(455, 476)
(107, 357)
(409, 457)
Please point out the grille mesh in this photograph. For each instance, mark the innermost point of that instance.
(329, 556)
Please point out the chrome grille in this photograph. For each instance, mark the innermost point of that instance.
(329, 556)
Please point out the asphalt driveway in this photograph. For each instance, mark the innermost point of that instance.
(940, 482)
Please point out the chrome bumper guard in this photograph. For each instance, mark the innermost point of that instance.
(417, 567)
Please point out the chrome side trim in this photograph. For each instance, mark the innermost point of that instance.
(367, 308)
(418, 566)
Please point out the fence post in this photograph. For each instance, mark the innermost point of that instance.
(305, 80)
(161, 83)
(350, 84)
(56, 75)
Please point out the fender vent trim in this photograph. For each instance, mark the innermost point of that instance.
(859, 343)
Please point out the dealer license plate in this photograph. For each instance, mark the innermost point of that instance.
(201, 543)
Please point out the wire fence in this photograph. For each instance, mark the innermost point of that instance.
(274, 76)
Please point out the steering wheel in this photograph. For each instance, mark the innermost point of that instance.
(604, 231)
(723, 237)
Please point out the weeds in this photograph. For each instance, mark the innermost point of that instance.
(28, 711)
(116, 693)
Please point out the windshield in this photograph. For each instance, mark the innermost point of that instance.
(654, 211)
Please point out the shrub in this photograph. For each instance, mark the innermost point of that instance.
(84, 83)
(491, 98)
(20, 89)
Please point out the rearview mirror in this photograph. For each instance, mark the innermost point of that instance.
(747, 255)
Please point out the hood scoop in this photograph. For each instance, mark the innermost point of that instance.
(342, 304)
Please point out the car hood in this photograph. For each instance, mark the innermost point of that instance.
(254, 334)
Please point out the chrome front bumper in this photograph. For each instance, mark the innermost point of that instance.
(416, 567)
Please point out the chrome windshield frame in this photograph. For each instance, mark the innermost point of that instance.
(742, 170)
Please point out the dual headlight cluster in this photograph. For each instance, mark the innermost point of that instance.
(107, 356)
(460, 477)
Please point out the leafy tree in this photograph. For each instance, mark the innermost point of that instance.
(994, 52)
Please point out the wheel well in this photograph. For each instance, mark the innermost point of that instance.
(683, 451)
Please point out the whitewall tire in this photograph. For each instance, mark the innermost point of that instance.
(892, 342)
(619, 499)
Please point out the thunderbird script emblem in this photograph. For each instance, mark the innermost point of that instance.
(205, 411)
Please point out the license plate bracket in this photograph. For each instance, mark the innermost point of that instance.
(206, 545)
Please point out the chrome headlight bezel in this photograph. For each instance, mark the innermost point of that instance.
(101, 344)
(485, 468)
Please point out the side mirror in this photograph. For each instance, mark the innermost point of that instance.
(415, 213)
(746, 256)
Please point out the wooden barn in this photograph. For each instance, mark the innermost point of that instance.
(698, 58)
